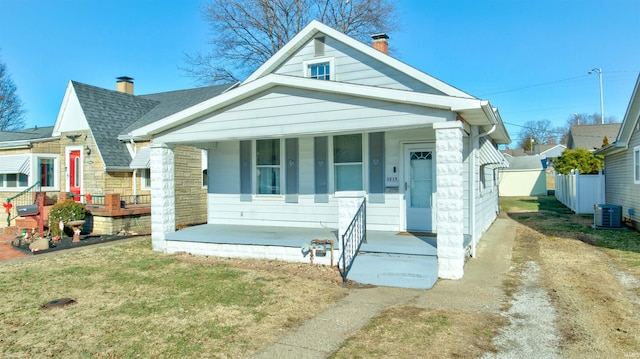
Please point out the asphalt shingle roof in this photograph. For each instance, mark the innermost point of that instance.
(26, 134)
(525, 163)
(591, 136)
(110, 113)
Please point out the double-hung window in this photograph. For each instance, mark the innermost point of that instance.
(636, 165)
(268, 166)
(347, 160)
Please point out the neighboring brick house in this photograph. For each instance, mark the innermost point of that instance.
(83, 156)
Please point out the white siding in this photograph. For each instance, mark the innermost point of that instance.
(290, 112)
(353, 66)
(273, 211)
(620, 188)
(225, 206)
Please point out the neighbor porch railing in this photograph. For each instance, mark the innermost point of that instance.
(99, 199)
(23, 198)
(350, 241)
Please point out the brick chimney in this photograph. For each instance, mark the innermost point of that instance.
(124, 84)
(380, 43)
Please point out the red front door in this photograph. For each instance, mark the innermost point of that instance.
(75, 171)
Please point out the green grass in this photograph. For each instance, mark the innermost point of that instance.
(132, 301)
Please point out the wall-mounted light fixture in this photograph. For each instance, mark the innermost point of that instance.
(87, 150)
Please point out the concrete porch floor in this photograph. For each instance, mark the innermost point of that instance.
(386, 258)
(377, 241)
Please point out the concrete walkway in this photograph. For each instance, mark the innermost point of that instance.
(479, 290)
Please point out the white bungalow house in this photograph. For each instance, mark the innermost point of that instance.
(329, 118)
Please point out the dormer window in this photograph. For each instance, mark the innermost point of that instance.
(319, 69)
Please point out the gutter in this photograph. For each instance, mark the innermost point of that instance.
(21, 144)
(611, 149)
(117, 169)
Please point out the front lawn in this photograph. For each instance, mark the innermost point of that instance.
(132, 301)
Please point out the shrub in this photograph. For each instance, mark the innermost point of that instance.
(66, 211)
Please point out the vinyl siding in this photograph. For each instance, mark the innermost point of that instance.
(225, 205)
(353, 66)
(620, 188)
(289, 112)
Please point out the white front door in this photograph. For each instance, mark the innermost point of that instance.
(419, 176)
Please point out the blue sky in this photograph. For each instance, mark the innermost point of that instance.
(529, 58)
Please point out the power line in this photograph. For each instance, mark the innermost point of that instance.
(534, 85)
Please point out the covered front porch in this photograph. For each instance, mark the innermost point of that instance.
(386, 258)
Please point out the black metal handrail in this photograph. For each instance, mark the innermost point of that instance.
(352, 239)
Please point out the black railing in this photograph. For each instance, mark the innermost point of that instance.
(136, 199)
(351, 241)
(25, 197)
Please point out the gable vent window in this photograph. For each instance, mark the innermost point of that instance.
(320, 71)
(318, 46)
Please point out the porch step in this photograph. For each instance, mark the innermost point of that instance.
(395, 270)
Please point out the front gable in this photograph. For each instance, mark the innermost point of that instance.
(71, 117)
(354, 62)
(349, 65)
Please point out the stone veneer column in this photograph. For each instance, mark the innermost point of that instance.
(449, 199)
(163, 209)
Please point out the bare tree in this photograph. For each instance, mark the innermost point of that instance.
(246, 33)
(11, 111)
(537, 133)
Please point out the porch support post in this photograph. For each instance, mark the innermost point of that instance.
(449, 200)
(163, 209)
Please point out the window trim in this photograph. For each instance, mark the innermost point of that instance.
(482, 179)
(636, 165)
(204, 168)
(255, 168)
(17, 188)
(364, 143)
(145, 176)
(35, 171)
(332, 67)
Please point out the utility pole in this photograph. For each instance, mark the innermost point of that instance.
(599, 71)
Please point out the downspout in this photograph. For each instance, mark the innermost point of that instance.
(135, 171)
(472, 189)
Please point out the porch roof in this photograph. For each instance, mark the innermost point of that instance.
(142, 159)
(15, 164)
(474, 111)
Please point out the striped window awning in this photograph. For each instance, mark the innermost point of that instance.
(15, 164)
(142, 159)
(489, 155)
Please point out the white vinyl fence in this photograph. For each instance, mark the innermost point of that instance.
(580, 192)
